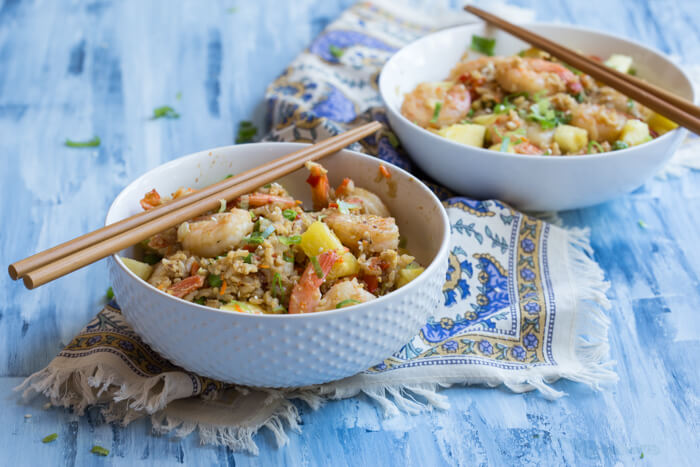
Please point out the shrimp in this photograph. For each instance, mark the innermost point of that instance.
(306, 293)
(371, 203)
(525, 147)
(216, 234)
(376, 233)
(186, 286)
(464, 70)
(535, 75)
(256, 200)
(320, 187)
(602, 123)
(350, 292)
(421, 105)
(150, 200)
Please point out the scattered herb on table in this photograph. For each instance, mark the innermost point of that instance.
(436, 112)
(99, 450)
(246, 132)
(641, 456)
(92, 143)
(49, 438)
(642, 224)
(228, 176)
(178, 96)
(110, 293)
(336, 51)
(483, 45)
(347, 302)
(164, 112)
(214, 280)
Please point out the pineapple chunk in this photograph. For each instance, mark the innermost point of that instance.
(570, 138)
(465, 133)
(635, 132)
(485, 120)
(242, 307)
(142, 270)
(661, 124)
(319, 238)
(407, 274)
(621, 63)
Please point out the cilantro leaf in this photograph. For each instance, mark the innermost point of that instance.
(92, 143)
(483, 45)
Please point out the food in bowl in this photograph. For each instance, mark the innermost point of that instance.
(530, 103)
(266, 255)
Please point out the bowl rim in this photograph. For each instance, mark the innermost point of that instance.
(677, 132)
(429, 270)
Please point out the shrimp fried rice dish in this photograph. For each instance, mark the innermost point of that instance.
(263, 254)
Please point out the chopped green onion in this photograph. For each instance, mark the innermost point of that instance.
(267, 185)
(110, 293)
(346, 207)
(349, 301)
(164, 112)
(151, 258)
(519, 131)
(642, 224)
(617, 145)
(256, 238)
(393, 140)
(214, 280)
(596, 145)
(483, 45)
(543, 113)
(49, 438)
(268, 231)
(293, 240)
(200, 301)
(222, 208)
(317, 267)
(289, 214)
(93, 143)
(505, 143)
(336, 51)
(580, 97)
(436, 112)
(248, 259)
(288, 257)
(246, 132)
(630, 104)
(277, 288)
(632, 71)
(99, 450)
(470, 114)
(280, 309)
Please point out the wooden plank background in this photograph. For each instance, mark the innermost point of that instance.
(74, 69)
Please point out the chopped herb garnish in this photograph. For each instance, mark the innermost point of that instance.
(402, 241)
(293, 240)
(214, 280)
(336, 51)
(248, 259)
(277, 289)
(497, 131)
(99, 450)
(483, 45)
(268, 231)
(317, 267)
(246, 132)
(436, 112)
(594, 144)
(279, 309)
(222, 207)
(632, 71)
(519, 131)
(470, 114)
(347, 302)
(256, 238)
(521, 53)
(505, 143)
(617, 145)
(642, 224)
(92, 143)
(572, 69)
(393, 140)
(49, 438)
(630, 104)
(345, 208)
(110, 293)
(580, 97)
(288, 257)
(200, 301)
(151, 258)
(164, 112)
(543, 113)
(267, 185)
(289, 214)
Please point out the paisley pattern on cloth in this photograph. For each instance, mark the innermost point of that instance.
(522, 299)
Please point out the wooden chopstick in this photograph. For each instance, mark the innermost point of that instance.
(665, 103)
(140, 227)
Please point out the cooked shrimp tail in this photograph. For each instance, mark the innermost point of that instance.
(256, 200)
(320, 188)
(306, 293)
(151, 200)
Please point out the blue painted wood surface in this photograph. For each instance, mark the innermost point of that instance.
(78, 69)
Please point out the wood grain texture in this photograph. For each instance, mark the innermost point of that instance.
(78, 69)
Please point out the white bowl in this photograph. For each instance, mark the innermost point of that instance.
(286, 350)
(527, 182)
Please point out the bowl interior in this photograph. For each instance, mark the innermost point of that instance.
(419, 62)
(419, 214)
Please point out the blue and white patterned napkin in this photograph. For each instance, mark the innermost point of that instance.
(522, 303)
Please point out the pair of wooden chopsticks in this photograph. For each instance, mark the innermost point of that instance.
(60, 260)
(664, 103)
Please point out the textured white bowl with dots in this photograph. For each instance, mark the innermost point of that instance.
(286, 350)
